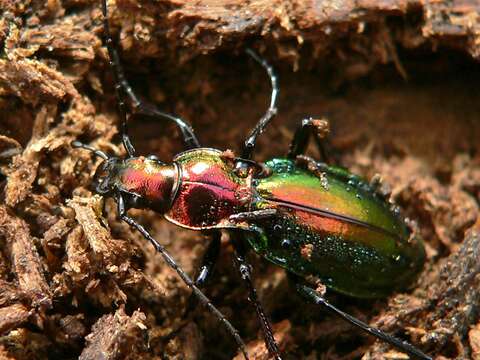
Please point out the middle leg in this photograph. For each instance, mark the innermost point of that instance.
(205, 271)
(245, 270)
(250, 142)
(308, 127)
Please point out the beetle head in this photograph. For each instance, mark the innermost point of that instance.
(104, 180)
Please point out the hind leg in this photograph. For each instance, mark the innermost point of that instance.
(318, 298)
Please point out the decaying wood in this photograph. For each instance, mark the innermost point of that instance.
(258, 350)
(117, 336)
(398, 82)
(12, 317)
(453, 294)
(26, 263)
(99, 239)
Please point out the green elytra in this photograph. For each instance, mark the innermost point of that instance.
(348, 257)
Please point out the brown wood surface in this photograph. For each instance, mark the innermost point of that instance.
(399, 83)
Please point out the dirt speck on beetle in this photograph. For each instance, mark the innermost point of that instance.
(306, 251)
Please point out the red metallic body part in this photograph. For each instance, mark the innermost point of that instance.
(209, 191)
(198, 191)
(153, 183)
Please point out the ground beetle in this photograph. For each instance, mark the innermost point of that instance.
(316, 221)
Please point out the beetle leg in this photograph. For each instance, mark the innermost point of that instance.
(245, 270)
(123, 90)
(403, 346)
(251, 140)
(319, 128)
(206, 269)
(319, 169)
(209, 259)
(122, 213)
(141, 107)
(118, 75)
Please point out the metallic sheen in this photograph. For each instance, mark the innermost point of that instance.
(367, 253)
(327, 224)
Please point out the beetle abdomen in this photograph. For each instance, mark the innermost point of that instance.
(336, 231)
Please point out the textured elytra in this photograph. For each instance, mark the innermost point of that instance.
(357, 245)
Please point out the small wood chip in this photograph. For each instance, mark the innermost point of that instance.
(117, 336)
(12, 317)
(474, 339)
(25, 260)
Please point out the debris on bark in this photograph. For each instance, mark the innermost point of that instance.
(117, 336)
(257, 348)
(12, 317)
(447, 308)
(26, 262)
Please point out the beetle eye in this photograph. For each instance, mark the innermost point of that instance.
(101, 180)
(101, 172)
(100, 175)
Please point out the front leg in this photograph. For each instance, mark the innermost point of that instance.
(122, 213)
(125, 92)
(245, 269)
(250, 142)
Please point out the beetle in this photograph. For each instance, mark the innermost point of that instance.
(325, 226)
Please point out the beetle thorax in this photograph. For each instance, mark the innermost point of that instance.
(151, 182)
(209, 191)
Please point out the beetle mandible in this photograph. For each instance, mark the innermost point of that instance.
(314, 220)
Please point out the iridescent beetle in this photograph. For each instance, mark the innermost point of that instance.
(314, 220)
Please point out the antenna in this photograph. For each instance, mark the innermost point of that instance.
(78, 144)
